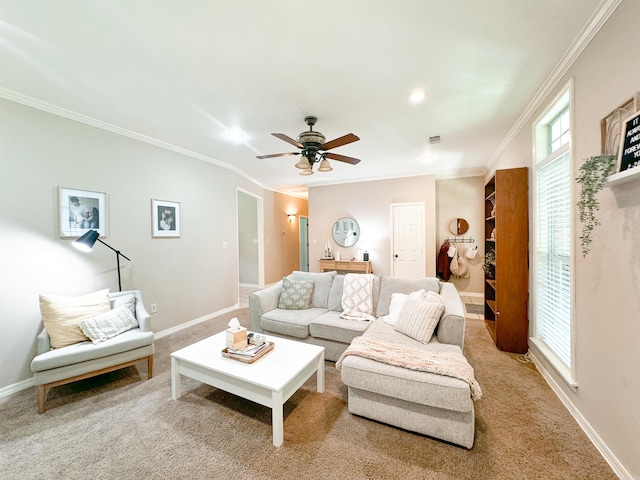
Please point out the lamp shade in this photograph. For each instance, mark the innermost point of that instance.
(325, 166)
(307, 171)
(85, 242)
(303, 163)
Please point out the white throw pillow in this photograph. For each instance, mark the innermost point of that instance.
(418, 319)
(433, 297)
(397, 301)
(108, 325)
(61, 315)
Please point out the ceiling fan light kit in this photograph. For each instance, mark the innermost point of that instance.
(313, 146)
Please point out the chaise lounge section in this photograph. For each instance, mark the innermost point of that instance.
(432, 404)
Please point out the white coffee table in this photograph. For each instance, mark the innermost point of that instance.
(269, 381)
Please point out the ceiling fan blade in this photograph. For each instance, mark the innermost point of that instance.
(287, 139)
(278, 155)
(342, 158)
(338, 142)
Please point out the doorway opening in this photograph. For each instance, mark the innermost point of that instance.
(250, 225)
(304, 244)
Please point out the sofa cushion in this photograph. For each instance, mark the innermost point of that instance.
(418, 319)
(391, 285)
(293, 323)
(321, 286)
(296, 294)
(108, 325)
(85, 351)
(128, 300)
(61, 315)
(331, 327)
(335, 294)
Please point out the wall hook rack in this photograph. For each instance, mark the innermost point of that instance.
(460, 240)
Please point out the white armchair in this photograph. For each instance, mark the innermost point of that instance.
(82, 360)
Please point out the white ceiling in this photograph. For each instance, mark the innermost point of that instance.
(184, 72)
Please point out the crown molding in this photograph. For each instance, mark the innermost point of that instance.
(593, 26)
(93, 122)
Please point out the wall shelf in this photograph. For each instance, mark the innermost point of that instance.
(624, 177)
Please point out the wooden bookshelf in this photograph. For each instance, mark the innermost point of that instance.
(506, 280)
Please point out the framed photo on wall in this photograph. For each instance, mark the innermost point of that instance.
(81, 210)
(165, 218)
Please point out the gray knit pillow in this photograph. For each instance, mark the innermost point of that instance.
(296, 294)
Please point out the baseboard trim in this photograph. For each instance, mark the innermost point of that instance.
(470, 294)
(600, 445)
(193, 322)
(16, 387)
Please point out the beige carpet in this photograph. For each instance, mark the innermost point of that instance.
(119, 426)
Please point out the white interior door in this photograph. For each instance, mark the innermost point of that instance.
(407, 242)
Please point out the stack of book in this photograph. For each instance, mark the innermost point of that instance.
(248, 354)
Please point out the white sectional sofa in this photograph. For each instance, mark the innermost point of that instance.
(428, 403)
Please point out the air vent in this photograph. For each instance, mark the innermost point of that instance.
(434, 139)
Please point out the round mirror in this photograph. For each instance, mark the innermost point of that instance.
(458, 226)
(346, 232)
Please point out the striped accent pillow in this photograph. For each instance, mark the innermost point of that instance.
(418, 319)
(108, 325)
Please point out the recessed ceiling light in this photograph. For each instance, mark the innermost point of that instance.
(235, 135)
(417, 96)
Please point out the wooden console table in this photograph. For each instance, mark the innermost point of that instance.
(344, 266)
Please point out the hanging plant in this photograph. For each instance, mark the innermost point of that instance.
(593, 176)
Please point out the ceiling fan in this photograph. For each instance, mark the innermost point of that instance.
(314, 149)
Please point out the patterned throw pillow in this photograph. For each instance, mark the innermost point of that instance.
(296, 294)
(418, 319)
(108, 325)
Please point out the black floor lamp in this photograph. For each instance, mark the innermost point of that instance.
(85, 243)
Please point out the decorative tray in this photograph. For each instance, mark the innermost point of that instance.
(247, 358)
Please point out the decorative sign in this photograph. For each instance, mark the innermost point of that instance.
(629, 154)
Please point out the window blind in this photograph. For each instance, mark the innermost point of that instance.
(553, 256)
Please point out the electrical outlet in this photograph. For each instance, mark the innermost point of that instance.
(154, 308)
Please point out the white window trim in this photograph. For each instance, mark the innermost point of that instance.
(540, 151)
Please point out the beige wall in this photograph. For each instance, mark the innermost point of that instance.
(463, 198)
(607, 281)
(369, 203)
(188, 277)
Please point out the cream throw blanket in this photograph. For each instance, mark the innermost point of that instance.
(357, 297)
(450, 364)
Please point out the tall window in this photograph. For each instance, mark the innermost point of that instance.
(552, 283)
